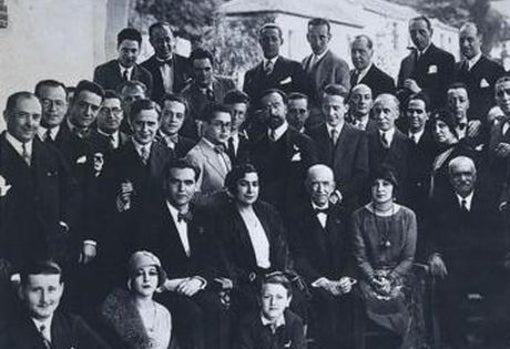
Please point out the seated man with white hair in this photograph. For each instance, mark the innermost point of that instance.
(320, 244)
(466, 247)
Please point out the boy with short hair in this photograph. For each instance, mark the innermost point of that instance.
(275, 326)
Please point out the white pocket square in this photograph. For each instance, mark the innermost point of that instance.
(432, 69)
(286, 81)
(484, 83)
(296, 157)
(82, 159)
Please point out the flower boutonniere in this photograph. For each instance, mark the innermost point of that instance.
(4, 187)
(296, 153)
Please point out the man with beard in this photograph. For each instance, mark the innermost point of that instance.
(281, 154)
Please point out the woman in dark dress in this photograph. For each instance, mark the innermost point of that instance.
(384, 234)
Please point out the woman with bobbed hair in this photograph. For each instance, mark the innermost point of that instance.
(133, 318)
(385, 234)
(253, 237)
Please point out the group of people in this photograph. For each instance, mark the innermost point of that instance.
(181, 212)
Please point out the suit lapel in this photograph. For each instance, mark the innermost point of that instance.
(244, 236)
(341, 144)
(174, 236)
(213, 159)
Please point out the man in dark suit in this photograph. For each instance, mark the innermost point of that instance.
(173, 114)
(321, 248)
(459, 247)
(388, 145)
(322, 67)
(420, 156)
(54, 100)
(281, 155)
(205, 90)
(478, 72)
(238, 142)
(360, 105)
(426, 68)
(274, 71)
(124, 68)
(298, 111)
(133, 180)
(39, 205)
(107, 137)
(170, 71)
(40, 324)
(342, 146)
(365, 71)
(178, 232)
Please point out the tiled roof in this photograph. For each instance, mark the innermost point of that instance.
(336, 11)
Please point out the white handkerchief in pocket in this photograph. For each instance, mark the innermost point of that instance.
(432, 69)
(296, 157)
(285, 81)
(484, 83)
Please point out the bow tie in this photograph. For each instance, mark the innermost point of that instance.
(162, 63)
(186, 217)
(321, 210)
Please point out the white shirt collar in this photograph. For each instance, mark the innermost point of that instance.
(272, 60)
(279, 131)
(468, 199)
(115, 135)
(389, 134)
(17, 145)
(53, 132)
(417, 135)
(338, 128)
(46, 323)
(474, 60)
(316, 207)
(278, 322)
(364, 72)
(421, 53)
(129, 70)
(139, 147)
(319, 57)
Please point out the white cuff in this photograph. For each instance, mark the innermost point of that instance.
(89, 242)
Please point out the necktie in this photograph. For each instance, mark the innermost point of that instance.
(24, 154)
(231, 150)
(384, 141)
(268, 69)
(125, 75)
(413, 138)
(355, 78)
(112, 142)
(47, 136)
(312, 62)
(45, 337)
(272, 135)
(144, 154)
(334, 136)
(210, 94)
(219, 148)
(463, 206)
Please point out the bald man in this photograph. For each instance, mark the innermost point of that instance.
(319, 233)
(361, 102)
(477, 72)
(466, 248)
(388, 145)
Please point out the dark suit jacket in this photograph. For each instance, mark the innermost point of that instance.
(282, 166)
(181, 73)
(109, 77)
(419, 164)
(467, 242)
(480, 81)
(182, 147)
(67, 331)
(378, 81)
(321, 252)
(40, 197)
(101, 143)
(251, 334)
(287, 76)
(348, 158)
(396, 156)
(198, 103)
(330, 69)
(237, 250)
(160, 236)
(433, 72)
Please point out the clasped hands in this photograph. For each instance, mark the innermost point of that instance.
(185, 286)
(335, 288)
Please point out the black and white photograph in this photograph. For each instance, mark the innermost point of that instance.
(255, 174)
